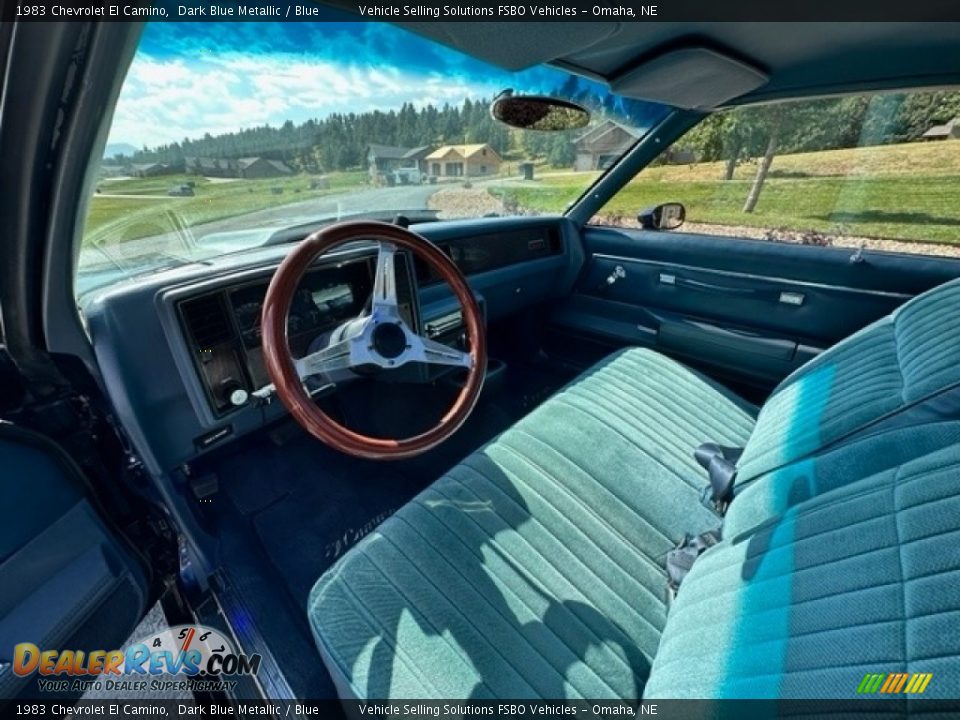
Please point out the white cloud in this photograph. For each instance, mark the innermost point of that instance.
(166, 100)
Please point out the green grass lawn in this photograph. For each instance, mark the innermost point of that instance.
(903, 192)
(118, 219)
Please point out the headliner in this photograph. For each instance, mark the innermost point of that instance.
(801, 59)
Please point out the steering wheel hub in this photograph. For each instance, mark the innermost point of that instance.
(389, 340)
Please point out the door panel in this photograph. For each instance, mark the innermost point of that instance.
(746, 310)
(68, 581)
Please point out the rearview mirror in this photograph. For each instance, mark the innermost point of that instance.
(668, 216)
(538, 112)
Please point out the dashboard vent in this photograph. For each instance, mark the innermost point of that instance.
(207, 320)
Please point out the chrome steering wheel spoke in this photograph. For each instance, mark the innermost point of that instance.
(382, 338)
(336, 356)
(389, 344)
(384, 304)
(433, 353)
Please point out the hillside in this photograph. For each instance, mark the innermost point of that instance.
(114, 149)
(906, 192)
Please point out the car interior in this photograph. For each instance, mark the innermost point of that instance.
(418, 457)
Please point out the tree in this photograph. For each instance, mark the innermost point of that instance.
(740, 131)
(730, 166)
(338, 141)
(708, 140)
(772, 128)
(561, 153)
(775, 115)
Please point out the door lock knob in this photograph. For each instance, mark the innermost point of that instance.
(618, 274)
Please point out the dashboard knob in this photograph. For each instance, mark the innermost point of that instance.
(233, 392)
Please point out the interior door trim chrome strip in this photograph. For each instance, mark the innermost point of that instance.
(751, 276)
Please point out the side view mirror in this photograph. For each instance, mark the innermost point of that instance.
(668, 216)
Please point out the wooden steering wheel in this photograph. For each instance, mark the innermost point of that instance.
(380, 337)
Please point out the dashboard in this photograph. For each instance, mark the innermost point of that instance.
(174, 347)
(492, 251)
(223, 329)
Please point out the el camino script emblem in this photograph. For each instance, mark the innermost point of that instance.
(351, 536)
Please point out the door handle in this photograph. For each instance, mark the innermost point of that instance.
(787, 298)
(667, 279)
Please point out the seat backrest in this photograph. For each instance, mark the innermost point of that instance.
(894, 372)
(861, 579)
(770, 495)
(835, 558)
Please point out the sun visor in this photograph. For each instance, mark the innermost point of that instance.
(692, 78)
(516, 45)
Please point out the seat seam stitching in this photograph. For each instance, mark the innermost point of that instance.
(640, 423)
(771, 578)
(683, 385)
(617, 535)
(535, 584)
(563, 488)
(686, 410)
(630, 508)
(562, 574)
(686, 608)
(435, 548)
(629, 441)
(459, 651)
(556, 567)
(358, 603)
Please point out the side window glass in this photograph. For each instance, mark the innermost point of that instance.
(880, 172)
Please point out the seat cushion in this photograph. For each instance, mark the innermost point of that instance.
(862, 579)
(892, 371)
(535, 567)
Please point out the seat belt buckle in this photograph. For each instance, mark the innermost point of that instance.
(708, 500)
(720, 464)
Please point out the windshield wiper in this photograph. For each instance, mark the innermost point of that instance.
(111, 258)
(133, 264)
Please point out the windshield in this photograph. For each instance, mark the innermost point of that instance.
(228, 137)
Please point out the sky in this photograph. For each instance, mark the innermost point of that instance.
(188, 79)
